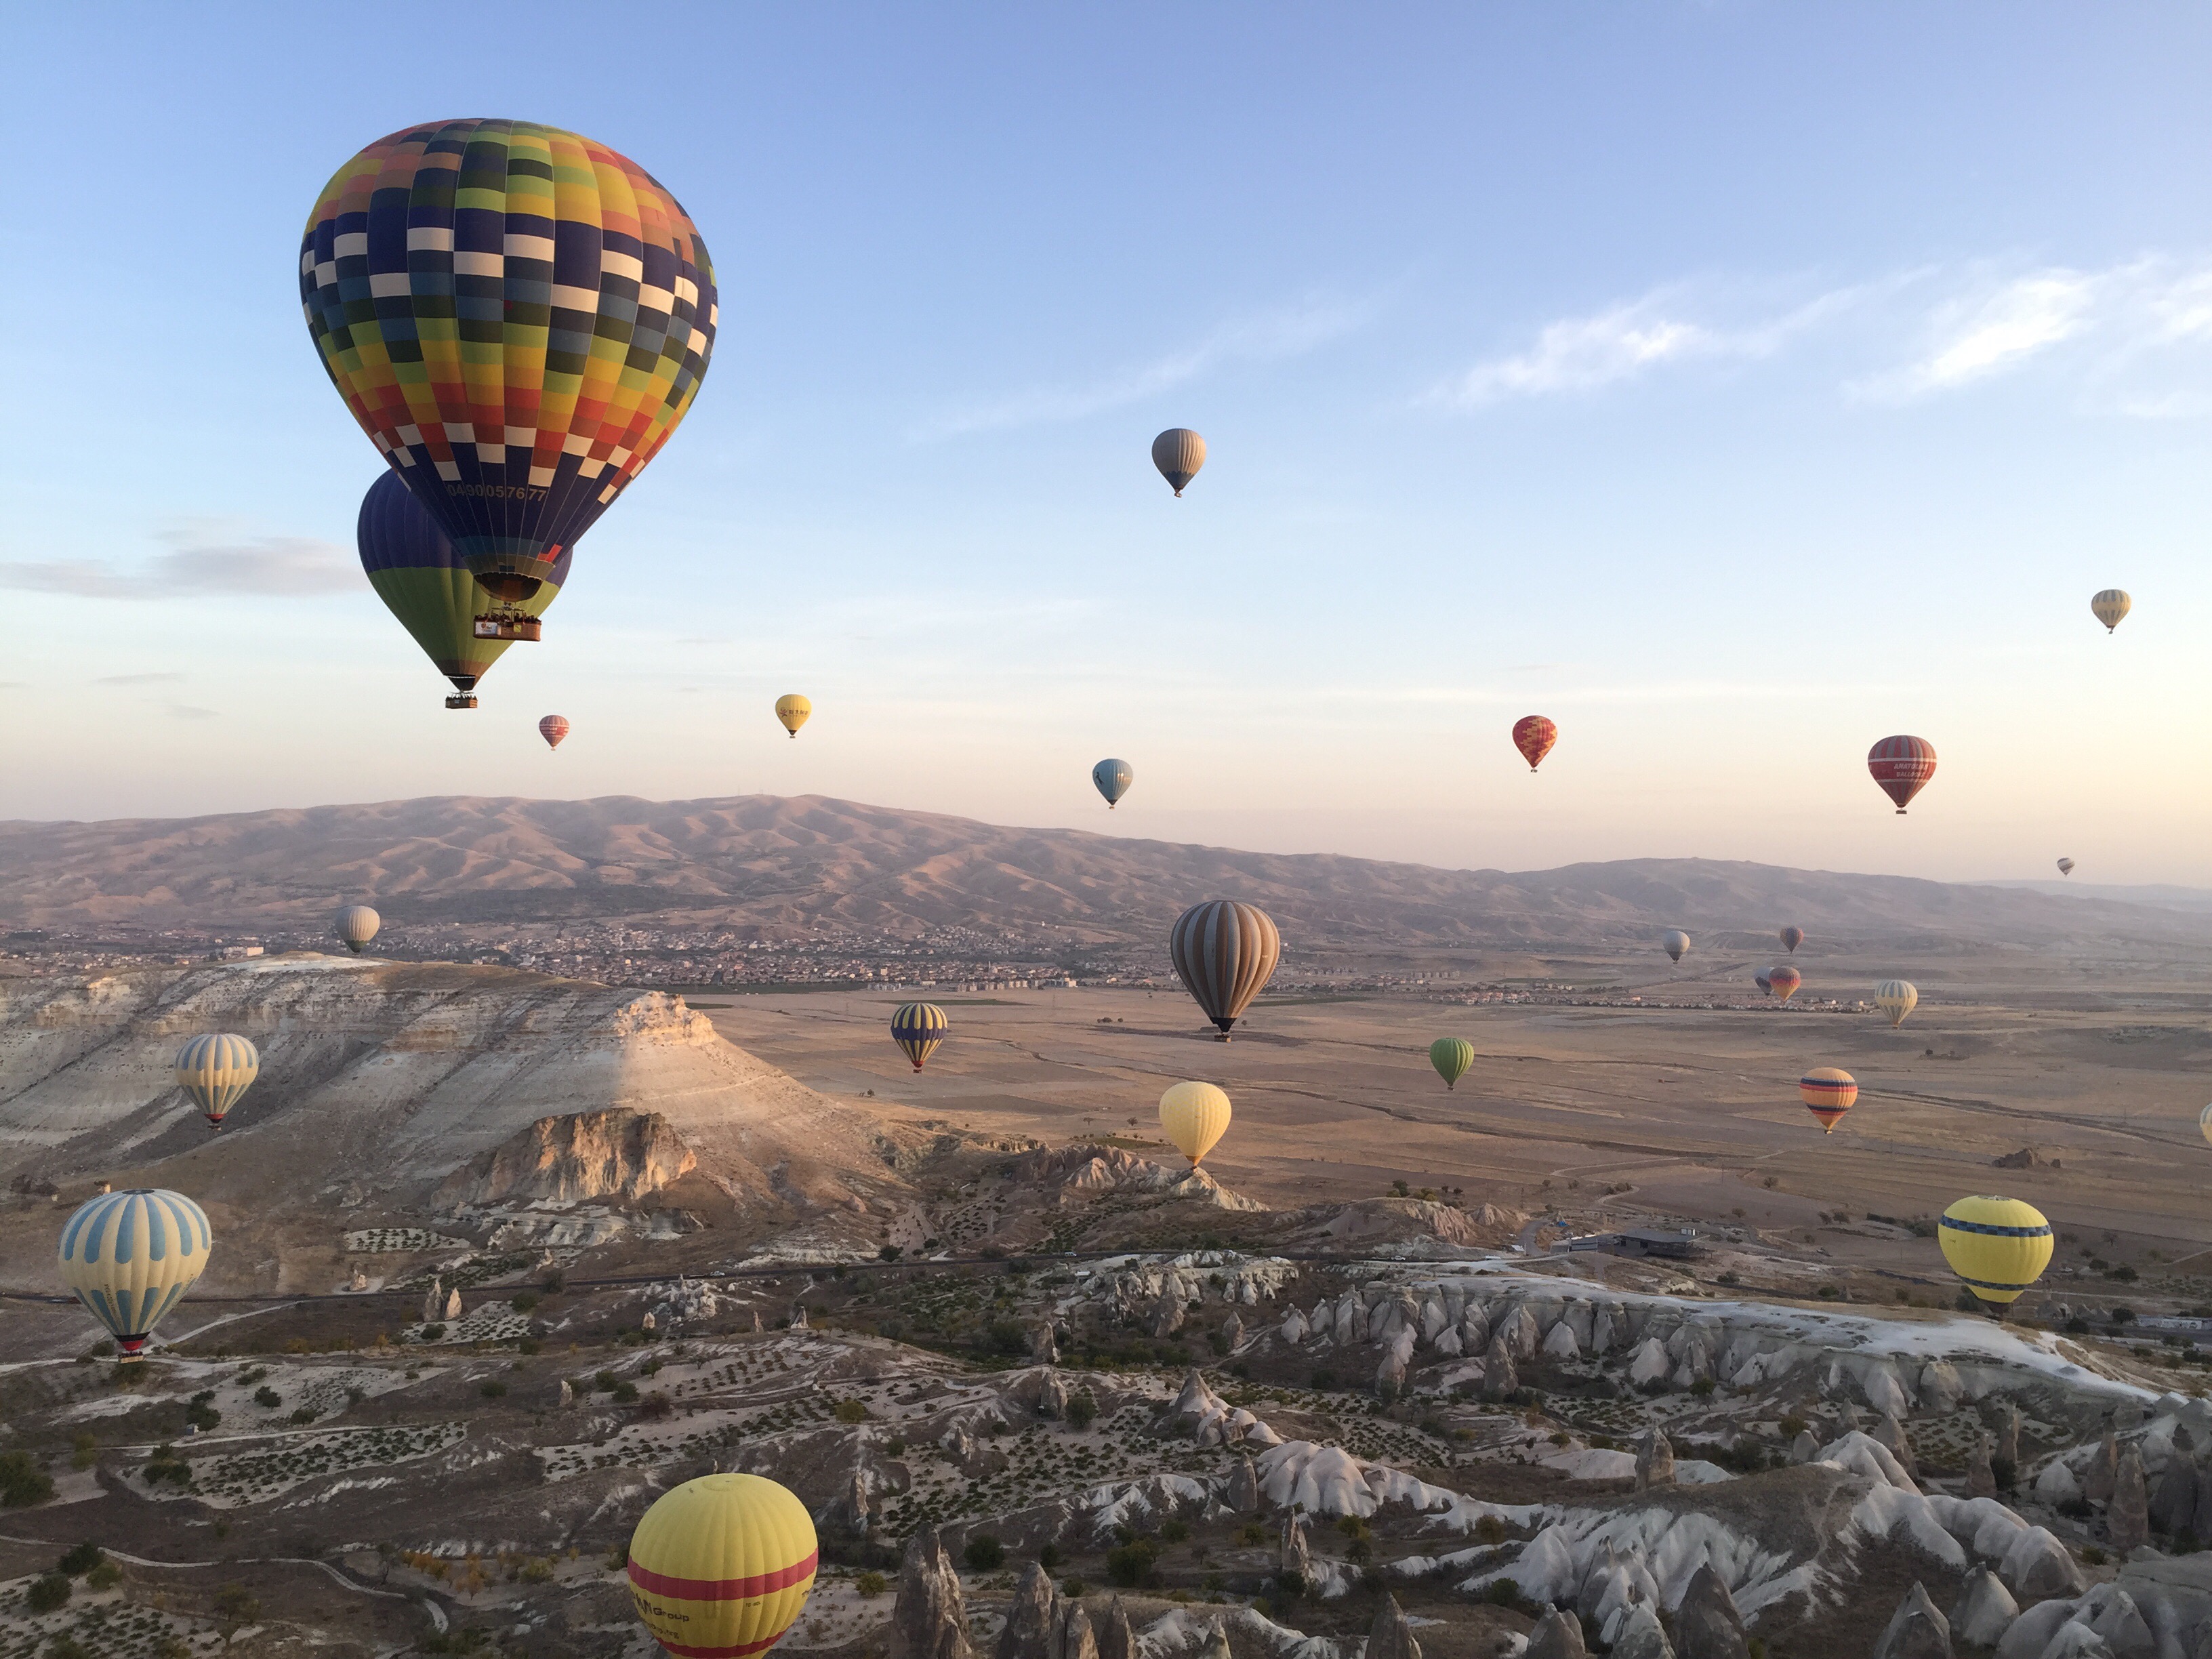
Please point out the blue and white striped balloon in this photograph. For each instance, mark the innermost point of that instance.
(214, 1069)
(129, 1255)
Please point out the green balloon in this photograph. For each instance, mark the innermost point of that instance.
(1452, 1057)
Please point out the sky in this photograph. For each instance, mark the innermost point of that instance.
(1736, 384)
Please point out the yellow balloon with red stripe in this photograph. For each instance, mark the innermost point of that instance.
(721, 1566)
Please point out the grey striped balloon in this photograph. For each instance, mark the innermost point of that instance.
(1178, 452)
(1225, 953)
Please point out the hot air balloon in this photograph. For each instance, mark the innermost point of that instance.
(1783, 982)
(1195, 1116)
(1112, 778)
(793, 709)
(129, 1255)
(2066, 866)
(1534, 736)
(918, 1028)
(518, 317)
(411, 564)
(1902, 766)
(722, 1566)
(2204, 1123)
(1765, 985)
(1178, 452)
(1792, 937)
(1897, 997)
(357, 925)
(1999, 1246)
(1225, 952)
(1452, 1057)
(1828, 1092)
(553, 728)
(214, 1070)
(2109, 606)
(1676, 945)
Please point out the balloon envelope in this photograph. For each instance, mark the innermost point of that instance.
(357, 924)
(1676, 945)
(722, 1566)
(214, 1069)
(1765, 985)
(1195, 1116)
(553, 728)
(1178, 452)
(2066, 866)
(1999, 1246)
(2204, 1123)
(791, 710)
(1112, 778)
(517, 317)
(2109, 605)
(411, 564)
(1902, 767)
(1452, 1057)
(129, 1255)
(1828, 1092)
(1534, 736)
(918, 1028)
(1225, 952)
(1783, 982)
(1897, 997)
(1792, 937)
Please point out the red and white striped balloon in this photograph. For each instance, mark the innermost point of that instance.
(1902, 766)
(553, 728)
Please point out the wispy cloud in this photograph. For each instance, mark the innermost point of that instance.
(136, 680)
(198, 562)
(1974, 335)
(1284, 331)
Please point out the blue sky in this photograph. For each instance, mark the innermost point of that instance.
(1736, 384)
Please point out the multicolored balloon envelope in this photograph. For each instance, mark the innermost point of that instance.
(1676, 945)
(1781, 983)
(1792, 937)
(1902, 767)
(129, 1255)
(1225, 952)
(1452, 1057)
(1113, 779)
(415, 570)
(214, 1069)
(722, 1566)
(1178, 452)
(357, 924)
(792, 711)
(1999, 1246)
(1195, 1116)
(918, 1028)
(1897, 997)
(1828, 1092)
(553, 728)
(517, 317)
(1534, 736)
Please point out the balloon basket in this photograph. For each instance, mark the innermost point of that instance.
(509, 625)
(461, 700)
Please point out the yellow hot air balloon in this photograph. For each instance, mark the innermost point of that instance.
(214, 1069)
(2110, 606)
(722, 1566)
(1195, 1115)
(1999, 1246)
(1897, 997)
(129, 1255)
(793, 709)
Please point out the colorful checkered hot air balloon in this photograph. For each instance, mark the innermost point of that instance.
(1828, 1092)
(129, 1255)
(214, 1069)
(1534, 736)
(1781, 983)
(918, 1028)
(722, 1566)
(1902, 767)
(518, 317)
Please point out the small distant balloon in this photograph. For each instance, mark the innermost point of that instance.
(1534, 736)
(553, 728)
(1792, 937)
(1901, 767)
(1195, 1115)
(722, 1566)
(2204, 1123)
(793, 709)
(2110, 606)
(357, 925)
(1112, 778)
(1178, 452)
(1452, 1057)
(214, 1069)
(1781, 983)
(1828, 1092)
(1998, 1246)
(1765, 985)
(1676, 945)
(918, 1028)
(2066, 866)
(129, 1255)
(1897, 997)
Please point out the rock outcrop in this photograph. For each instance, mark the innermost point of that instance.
(1114, 1638)
(1033, 1619)
(1389, 1637)
(616, 1154)
(1641, 1635)
(1707, 1625)
(1917, 1630)
(2127, 1518)
(1985, 1610)
(930, 1619)
(1556, 1635)
(1655, 1459)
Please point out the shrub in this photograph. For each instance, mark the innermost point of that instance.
(1503, 1593)
(1074, 1589)
(493, 1390)
(538, 1570)
(267, 1398)
(1322, 1380)
(1048, 1557)
(1130, 1564)
(1082, 1410)
(166, 1465)
(1702, 1387)
(1174, 1532)
(624, 1393)
(48, 1591)
(236, 1605)
(1490, 1530)
(434, 1333)
(2006, 1472)
(523, 1301)
(983, 1552)
(105, 1576)
(1253, 1532)
(304, 1414)
(81, 1559)
(2092, 1556)
(851, 1411)
(2123, 1314)
(1828, 1293)
(871, 1583)
(655, 1406)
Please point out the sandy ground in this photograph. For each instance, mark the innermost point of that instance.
(2101, 1066)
